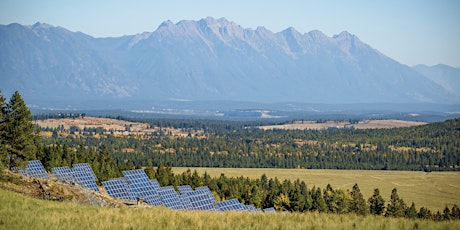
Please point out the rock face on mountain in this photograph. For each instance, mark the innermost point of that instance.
(209, 59)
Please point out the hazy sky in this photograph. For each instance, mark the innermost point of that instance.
(410, 31)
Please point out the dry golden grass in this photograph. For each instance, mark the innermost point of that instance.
(367, 124)
(21, 212)
(118, 127)
(432, 190)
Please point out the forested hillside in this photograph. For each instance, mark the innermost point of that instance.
(241, 144)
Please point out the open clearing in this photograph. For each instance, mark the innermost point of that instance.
(433, 190)
(109, 125)
(367, 124)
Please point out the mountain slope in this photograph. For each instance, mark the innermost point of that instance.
(446, 76)
(209, 59)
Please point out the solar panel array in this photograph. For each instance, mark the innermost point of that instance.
(118, 188)
(170, 198)
(184, 189)
(136, 184)
(35, 169)
(201, 200)
(141, 186)
(85, 176)
(63, 174)
(230, 205)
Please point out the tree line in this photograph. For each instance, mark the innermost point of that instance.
(431, 147)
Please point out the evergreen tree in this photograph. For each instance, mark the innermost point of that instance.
(17, 130)
(149, 170)
(446, 213)
(376, 203)
(411, 212)
(282, 203)
(396, 206)
(318, 200)
(3, 151)
(358, 204)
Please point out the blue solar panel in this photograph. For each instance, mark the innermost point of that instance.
(230, 205)
(269, 209)
(36, 169)
(141, 186)
(85, 176)
(250, 207)
(154, 200)
(155, 185)
(118, 188)
(22, 172)
(184, 189)
(208, 192)
(170, 198)
(186, 201)
(200, 200)
(63, 174)
(85, 167)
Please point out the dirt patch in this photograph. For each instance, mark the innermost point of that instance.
(53, 190)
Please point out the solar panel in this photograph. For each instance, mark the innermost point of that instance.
(118, 188)
(36, 169)
(186, 201)
(272, 209)
(85, 167)
(200, 200)
(230, 205)
(141, 186)
(250, 207)
(63, 174)
(170, 198)
(184, 189)
(85, 176)
(155, 185)
(208, 192)
(22, 172)
(154, 200)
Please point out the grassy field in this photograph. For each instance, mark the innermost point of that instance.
(432, 190)
(22, 212)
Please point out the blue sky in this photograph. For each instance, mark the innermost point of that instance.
(409, 31)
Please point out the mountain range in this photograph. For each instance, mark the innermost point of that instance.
(212, 60)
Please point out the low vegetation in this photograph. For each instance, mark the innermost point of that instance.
(22, 212)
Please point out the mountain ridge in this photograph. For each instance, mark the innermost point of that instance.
(207, 59)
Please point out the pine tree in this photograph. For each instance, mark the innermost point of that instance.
(396, 207)
(411, 212)
(358, 204)
(17, 130)
(3, 152)
(150, 171)
(376, 203)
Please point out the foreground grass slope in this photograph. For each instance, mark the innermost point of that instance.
(18, 211)
(433, 190)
